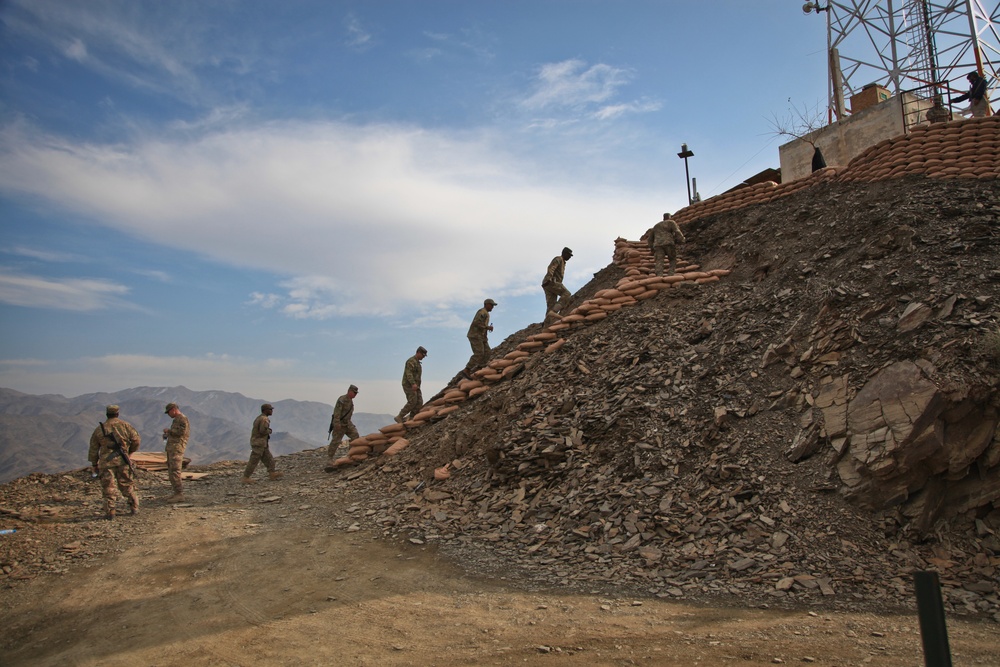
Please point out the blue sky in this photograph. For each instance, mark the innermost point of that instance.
(283, 198)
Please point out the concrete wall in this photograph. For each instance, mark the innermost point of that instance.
(840, 142)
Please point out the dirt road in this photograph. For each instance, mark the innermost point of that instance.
(255, 575)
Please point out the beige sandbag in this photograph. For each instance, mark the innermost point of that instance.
(466, 385)
(514, 355)
(358, 457)
(600, 315)
(555, 346)
(396, 447)
(529, 345)
(447, 411)
(476, 391)
(510, 370)
(543, 336)
(392, 428)
(364, 449)
(557, 327)
(454, 394)
(441, 474)
(359, 442)
(425, 415)
(707, 279)
(493, 377)
(500, 364)
(343, 461)
(719, 272)
(571, 318)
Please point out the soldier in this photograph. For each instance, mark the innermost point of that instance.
(340, 422)
(411, 386)
(555, 293)
(175, 440)
(110, 446)
(477, 338)
(260, 451)
(663, 239)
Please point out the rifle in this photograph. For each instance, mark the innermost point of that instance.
(119, 447)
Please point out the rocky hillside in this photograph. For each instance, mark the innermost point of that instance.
(51, 433)
(815, 425)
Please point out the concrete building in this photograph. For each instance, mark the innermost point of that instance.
(843, 140)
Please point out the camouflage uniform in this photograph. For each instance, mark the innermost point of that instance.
(113, 468)
(663, 239)
(340, 422)
(260, 451)
(555, 293)
(177, 439)
(477, 340)
(411, 387)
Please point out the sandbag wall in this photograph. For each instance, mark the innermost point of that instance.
(956, 149)
(638, 284)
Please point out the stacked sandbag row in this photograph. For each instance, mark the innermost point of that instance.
(387, 441)
(760, 193)
(956, 149)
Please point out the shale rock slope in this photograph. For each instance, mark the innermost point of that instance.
(715, 440)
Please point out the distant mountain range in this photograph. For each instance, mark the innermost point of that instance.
(51, 433)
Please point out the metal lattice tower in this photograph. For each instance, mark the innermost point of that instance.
(910, 45)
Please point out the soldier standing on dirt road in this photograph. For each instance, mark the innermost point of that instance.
(109, 456)
(176, 441)
(260, 450)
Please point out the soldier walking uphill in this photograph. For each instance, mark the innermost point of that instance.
(110, 446)
(477, 338)
(176, 438)
(340, 422)
(260, 451)
(663, 239)
(555, 293)
(411, 386)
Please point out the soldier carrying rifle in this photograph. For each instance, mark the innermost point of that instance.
(110, 446)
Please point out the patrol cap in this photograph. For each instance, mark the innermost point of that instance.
(266, 406)
(353, 388)
(567, 251)
(489, 302)
(170, 406)
(111, 410)
(422, 349)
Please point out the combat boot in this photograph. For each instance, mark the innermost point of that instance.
(176, 498)
(110, 516)
(247, 480)
(398, 419)
(275, 475)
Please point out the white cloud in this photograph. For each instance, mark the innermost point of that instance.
(358, 219)
(76, 294)
(76, 50)
(571, 83)
(45, 255)
(358, 37)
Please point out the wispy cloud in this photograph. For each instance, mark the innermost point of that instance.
(52, 256)
(358, 37)
(571, 83)
(76, 294)
(359, 219)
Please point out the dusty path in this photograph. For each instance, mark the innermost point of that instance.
(265, 575)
